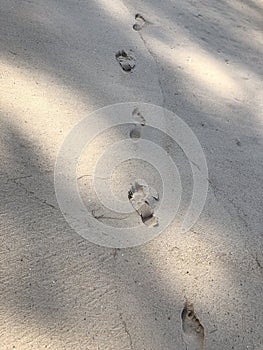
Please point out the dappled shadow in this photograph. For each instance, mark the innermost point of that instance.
(80, 294)
(232, 25)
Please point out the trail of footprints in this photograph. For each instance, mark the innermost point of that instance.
(125, 60)
(143, 198)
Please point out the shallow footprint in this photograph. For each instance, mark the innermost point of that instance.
(140, 22)
(193, 331)
(126, 61)
(138, 116)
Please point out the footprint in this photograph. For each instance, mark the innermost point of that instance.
(193, 331)
(140, 22)
(135, 133)
(138, 116)
(126, 61)
(143, 198)
(238, 142)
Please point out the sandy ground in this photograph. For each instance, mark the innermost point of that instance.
(203, 61)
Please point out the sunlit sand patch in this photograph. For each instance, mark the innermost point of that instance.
(116, 9)
(246, 9)
(36, 104)
(201, 66)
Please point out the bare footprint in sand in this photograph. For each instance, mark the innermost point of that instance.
(137, 115)
(140, 22)
(135, 133)
(143, 198)
(193, 331)
(127, 62)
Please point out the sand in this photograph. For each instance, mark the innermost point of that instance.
(199, 59)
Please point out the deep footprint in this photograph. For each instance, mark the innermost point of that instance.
(193, 331)
(126, 61)
(143, 199)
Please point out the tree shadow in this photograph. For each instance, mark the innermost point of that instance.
(61, 284)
